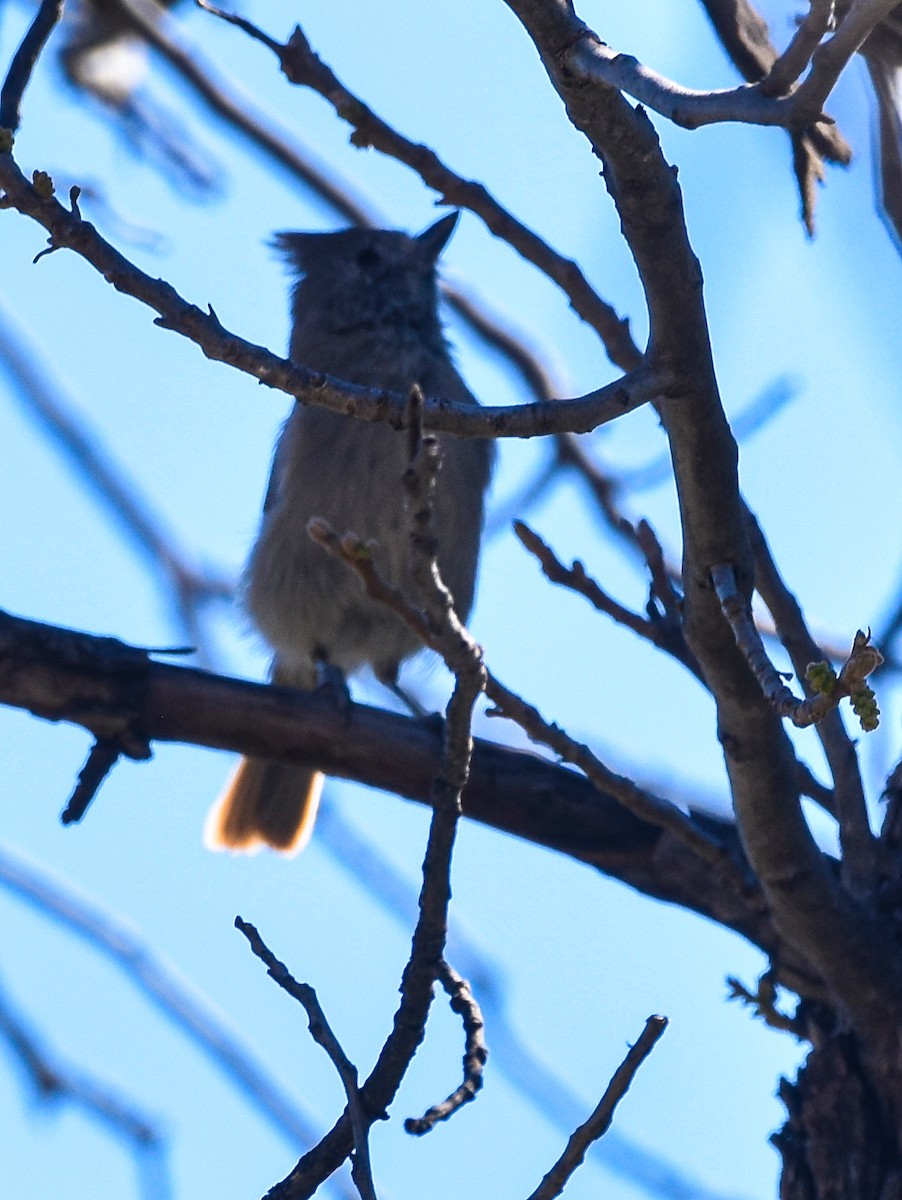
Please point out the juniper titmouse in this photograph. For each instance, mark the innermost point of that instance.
(365, 309)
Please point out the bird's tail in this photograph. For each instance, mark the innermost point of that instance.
(265, 803)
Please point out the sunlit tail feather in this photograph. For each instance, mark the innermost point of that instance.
(265, 803)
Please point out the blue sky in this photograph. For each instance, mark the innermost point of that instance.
(583, 960)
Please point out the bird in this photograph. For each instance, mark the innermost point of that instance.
(365, 308)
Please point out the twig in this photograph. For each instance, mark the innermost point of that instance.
(764, 1002)
(795, 58)
(831, 57)
(68, 230)
(24, 60)
(513, 1056)
(830, 689)
(744, 35)
(103, 756)
(464, 1003)
(597, 1125)
(657, 628)
(440, 626)
(849, 801)
(321, 1032)
(303, 67)
(640, 802)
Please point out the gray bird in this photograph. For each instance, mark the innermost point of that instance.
(365, 309)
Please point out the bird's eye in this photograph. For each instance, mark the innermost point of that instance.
(367, 258)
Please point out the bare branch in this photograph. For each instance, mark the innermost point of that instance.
(226, 100)
(67, 229)
(102, 757)
(55, 1081)
(640, 802)
(321, 1032)
(794, 60)
(513, 1055)
(850, 805)
(600, 1121)
(464, 658)
(863, 659)
(575, 579)
(476, 1054)
(46, 400)
(303, 67)
(592, 61)
(93, 682)
(23, 63)
(745, 37)
(658, 629)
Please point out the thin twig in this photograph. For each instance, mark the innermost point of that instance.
(640, 802)
(849, 801)
(440, 623)
(863, 659)
(795, 58)
(513, 1056)
(322, 1033)
(24, 60)
(659, 628)
(302, 66)
(600, 1121)
(476, 1054)
(103, 756)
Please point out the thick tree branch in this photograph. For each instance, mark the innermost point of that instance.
(590, 60)
(107, 687)
(848, 948)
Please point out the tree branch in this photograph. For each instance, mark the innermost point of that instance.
(24, 60)
(105, 686)
(464, 1003)
(321, 1032)
(600, 1121)
(68, 230)
(303, 67)
(848, 948)
(161, 983)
